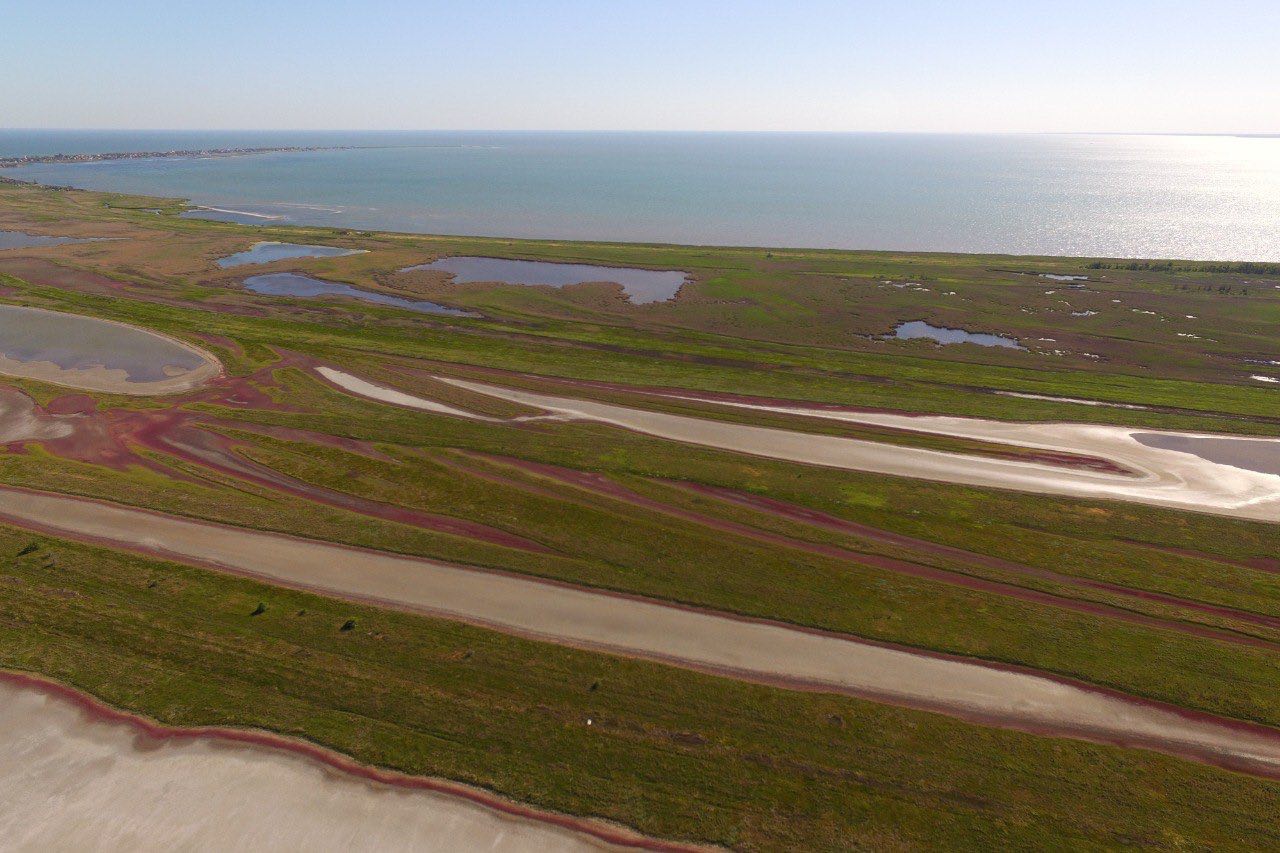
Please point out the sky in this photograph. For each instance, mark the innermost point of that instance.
(1156, 66)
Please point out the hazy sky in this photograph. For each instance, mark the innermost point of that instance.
(933, 65)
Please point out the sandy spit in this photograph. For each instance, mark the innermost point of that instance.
(1166, 478)
(755, 650)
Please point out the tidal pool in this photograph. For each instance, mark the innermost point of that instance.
(23, 240)
(97, 355)
(267, 251)
(293, 284)
(641, 286)
(1252, 454)
(943, 335)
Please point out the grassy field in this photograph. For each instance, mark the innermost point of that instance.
(1108, 593)
(670, 752)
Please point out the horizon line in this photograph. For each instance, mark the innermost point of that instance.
(808, 132)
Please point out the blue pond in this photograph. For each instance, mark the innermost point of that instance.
(943, 335)
(292, 284)
(641, 286)
(268, 251)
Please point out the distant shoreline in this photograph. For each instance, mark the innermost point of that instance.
(39, 159)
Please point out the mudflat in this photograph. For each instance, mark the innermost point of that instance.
(135, 790)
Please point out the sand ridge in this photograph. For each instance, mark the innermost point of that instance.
(750, 649)
(1165, 478)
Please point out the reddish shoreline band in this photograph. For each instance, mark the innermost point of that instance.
(101, 711)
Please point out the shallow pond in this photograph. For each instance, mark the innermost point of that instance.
(22, 240)
(86, 352)
(293, 284)
(268, 251)
(1252, 454)
(943, 335)
(641, 286)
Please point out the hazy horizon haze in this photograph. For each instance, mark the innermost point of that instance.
(1130, 66)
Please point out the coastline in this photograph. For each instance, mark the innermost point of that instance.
(188, 153)
(701, 189)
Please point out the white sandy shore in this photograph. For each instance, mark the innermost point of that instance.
(71, 782)
(356, 385)
(582, 617)
(1165, 478)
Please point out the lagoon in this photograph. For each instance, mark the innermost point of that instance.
(97, 355)
(23, 240)
(641, 286)
(293, 284)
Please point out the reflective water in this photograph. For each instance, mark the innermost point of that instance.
(641, 286)
(22, 240)
(1037, 194)
(292, 284)
(74, 342)
(943, 335)
(1252, 454)
(268, 251)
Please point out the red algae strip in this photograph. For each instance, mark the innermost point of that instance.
(749, 649)
(76, 774)
(598, 484)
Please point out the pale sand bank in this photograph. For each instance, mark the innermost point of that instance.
(1165, 477)
(755, 650)
(72, 780)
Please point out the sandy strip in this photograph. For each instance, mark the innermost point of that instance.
(76, 775)
(1165, 478)
(751, 649)
(358, 386)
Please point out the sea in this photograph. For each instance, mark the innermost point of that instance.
(1193, 197)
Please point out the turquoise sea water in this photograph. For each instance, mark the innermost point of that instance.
(1134, 196)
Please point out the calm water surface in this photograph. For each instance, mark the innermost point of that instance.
(1252, 454)
(1131, 196)
(268, 251)
(641, 286)
(75, 342)
(20, 240)
(292, 284)
(943, 335)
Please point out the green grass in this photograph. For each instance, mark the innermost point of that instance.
(672, 753)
